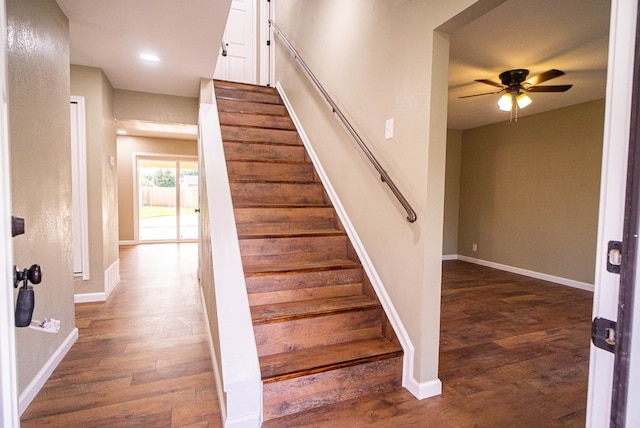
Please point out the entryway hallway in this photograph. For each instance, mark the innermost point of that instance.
(142, 358)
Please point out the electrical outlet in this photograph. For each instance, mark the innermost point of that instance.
(388, 129)
(474, 247)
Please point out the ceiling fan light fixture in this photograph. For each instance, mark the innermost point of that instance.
(505, 103)
(523, 100)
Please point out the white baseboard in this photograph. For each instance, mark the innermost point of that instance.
(30, 392)
(111, 279)
(449, 257)
(127, 242)
(214, 360)
(367, 264)
(532, 274)
(90, 297)
(422, 390)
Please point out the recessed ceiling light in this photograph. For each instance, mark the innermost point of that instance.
(149, 57)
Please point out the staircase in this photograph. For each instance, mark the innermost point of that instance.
(322, 335)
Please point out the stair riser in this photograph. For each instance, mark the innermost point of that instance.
(261, 151)
(256, 120)
(277, 194)
(292, 281)
(272, 171)
(273, 297)
(248, 107)
(287, 336)
(315, 390)
(259, 135)
(261, 97)
(265, 252)
(249, 219)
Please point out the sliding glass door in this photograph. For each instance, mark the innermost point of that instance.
(167, 199)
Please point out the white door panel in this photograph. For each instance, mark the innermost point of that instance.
(239, 65)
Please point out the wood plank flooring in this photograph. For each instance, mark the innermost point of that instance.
(514, 353)
(142, 358)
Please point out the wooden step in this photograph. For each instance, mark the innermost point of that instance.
(256, 120)
(264, 151)
(276, 287)
(276, 193)
(268, 97)
(308, 392)
(237, 106)
(252, 220)
(298, 265)
(289, 365)
(306, 333)
(238, 86)
(260, 135)
(271, 171)
(265, 252)
(264, 314)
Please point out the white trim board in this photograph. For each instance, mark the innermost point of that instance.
(419, 389)
(45, 372)
(532, 274)
(111, 280)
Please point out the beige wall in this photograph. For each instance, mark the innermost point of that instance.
(128, 146)
(39, 134)
(529, 192)
(381, 61)
(102, 190)
(452, 193)
(131, 105)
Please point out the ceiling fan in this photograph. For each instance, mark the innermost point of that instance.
(515, 85)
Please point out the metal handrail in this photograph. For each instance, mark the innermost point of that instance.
(411, 214)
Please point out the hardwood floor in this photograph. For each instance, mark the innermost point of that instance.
(514, 353)
(142, 358)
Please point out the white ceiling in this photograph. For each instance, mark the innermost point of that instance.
(111, 34)
(570, 35)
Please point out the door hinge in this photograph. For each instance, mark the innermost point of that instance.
(614, 256)
(268, 42)
(603, 334)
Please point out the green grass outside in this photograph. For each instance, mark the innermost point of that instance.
(155, 211)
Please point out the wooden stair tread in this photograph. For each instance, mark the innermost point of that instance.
(264, 232)
(227, 84)
(279, 312)
(299, 267)
(316, 360)
(253, 181)
(296, 206)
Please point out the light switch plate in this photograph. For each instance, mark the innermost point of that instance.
(388, 129)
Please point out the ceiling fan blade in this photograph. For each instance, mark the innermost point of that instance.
(543, 77)
(490, 82)
(477, 95)
(550, 88)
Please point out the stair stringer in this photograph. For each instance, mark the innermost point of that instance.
(419, 389)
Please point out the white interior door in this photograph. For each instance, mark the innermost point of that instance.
(612, 198)
(8, 384)
(239, 63)
(79, 189)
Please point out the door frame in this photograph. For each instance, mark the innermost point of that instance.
(612, 198)
(136, 195)
(9, 415)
